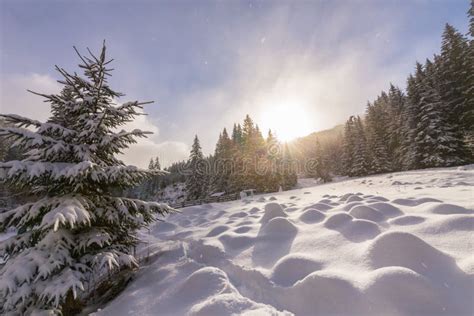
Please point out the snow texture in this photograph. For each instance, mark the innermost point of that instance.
(338, 249)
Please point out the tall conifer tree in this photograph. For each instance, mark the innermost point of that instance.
(196, 181)
(76, 228)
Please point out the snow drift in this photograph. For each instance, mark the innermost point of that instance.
(334, 249)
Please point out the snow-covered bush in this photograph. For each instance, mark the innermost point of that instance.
(77, 228)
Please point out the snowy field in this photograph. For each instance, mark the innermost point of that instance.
(393, 244)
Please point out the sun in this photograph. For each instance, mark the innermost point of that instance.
(288, 121)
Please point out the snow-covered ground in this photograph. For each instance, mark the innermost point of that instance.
(393, 244)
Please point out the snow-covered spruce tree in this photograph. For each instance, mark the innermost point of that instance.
(410, 149)
(361, 160)
(439, 142)
(288, 170)
(468, 116)
(151, 187)
(274, 159)
(221, 164)
(196, 181)
(322, 169)
(378, 136)
(396, 106)
(349, 145)
(453, 78)
(77, 228)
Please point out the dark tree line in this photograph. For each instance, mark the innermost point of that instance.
(429, 125)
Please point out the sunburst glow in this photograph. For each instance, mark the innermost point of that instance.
(288, 120)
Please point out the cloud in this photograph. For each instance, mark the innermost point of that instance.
(15, 99)
(328, 57)
(139, 154)
(331, 74)
(168, 152)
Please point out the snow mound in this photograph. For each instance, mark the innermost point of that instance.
(444, 208)
(451, 223)
(386, 209)
(360, 230)
(311, 216)
(322, 293)
(292, 268)
(239, 215)
(354, 198)
(406, 250)
(379, 198)
(254, 210)
(235, 242)
(366, 212)
(407, 220)
(356, 230)
(338, 220)
(203, 283)
(232, 304)
(441, 288)
(320, 206)
(218, 215)
(243, 223)
(414, 201)
(272, 210)
(279, 227)
(217, 230)
(325, 201)
(403, 291)
(345, 196)
(347, 207)
(242, 229)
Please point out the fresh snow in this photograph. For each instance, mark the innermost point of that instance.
(392, 244)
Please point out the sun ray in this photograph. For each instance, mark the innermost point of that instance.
(288, 121)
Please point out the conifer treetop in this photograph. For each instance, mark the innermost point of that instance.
(76, 227)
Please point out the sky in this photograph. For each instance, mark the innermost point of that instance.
(293, 66)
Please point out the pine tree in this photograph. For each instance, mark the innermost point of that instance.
(237, 135)
(360, 165)
(247, 176)
(411, 116)
(377, 121)
(77, 228)
(396, 104)
(440, 144)
(196, 184)
(322, 168)
(151, 164)
(5, 144)
(157, 165)
(289, 177)
(151, 187)
(454, 86)
(235, 182)
(272, 160)
(248, 131)
(223, 164)
(349, 146)
(468, 116)
(261, 172)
